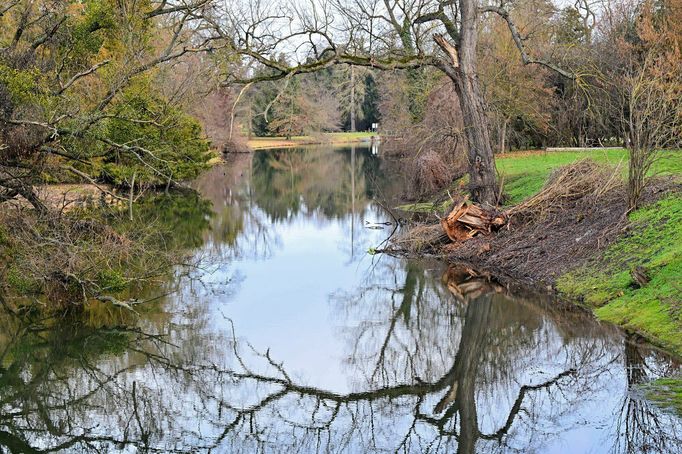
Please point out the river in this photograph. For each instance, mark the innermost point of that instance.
(282, 333)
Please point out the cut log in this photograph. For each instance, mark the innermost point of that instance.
(468, 220)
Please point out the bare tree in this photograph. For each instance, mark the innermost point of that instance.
(400, 34)
(648, 86)
(639, 70)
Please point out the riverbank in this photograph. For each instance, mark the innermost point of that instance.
(83, 253)
(586, 250)
(334, 138)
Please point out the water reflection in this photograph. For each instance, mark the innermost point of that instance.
(292, 339)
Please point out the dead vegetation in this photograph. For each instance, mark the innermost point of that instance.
(431, 174)
(584, 178)
(64, 260)
(580, 210)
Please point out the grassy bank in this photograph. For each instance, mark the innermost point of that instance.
(524, 173)
(653, 241)
(334, 138)
(598, 275)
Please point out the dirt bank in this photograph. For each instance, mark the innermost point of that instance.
(574, 240)
(538, 251)
(579, 212)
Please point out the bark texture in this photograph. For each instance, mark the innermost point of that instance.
(482, 172)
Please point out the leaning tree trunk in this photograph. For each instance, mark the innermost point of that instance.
(482, 173)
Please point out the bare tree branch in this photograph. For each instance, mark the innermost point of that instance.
(516, 36)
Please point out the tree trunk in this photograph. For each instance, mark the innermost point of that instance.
(503, 137)
(482, 173)
(352, 98)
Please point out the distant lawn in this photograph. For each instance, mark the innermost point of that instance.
(524, 173)
(332, 137)
(352, 135)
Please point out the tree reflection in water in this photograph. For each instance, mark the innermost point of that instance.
(435, 360)
(436, 370)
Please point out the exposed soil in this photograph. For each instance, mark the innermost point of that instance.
(539, 251)
(538, 245)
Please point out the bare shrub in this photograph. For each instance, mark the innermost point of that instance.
(434, 148)
(585, 178)
(418, 239)
(431, 174)
(66, 261)
(440, 130)
(236, 144)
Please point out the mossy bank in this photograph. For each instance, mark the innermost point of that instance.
(652, 243)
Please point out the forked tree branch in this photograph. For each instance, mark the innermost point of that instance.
(516, 36)
(87, 72)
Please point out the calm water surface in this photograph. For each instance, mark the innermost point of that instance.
(285, 335)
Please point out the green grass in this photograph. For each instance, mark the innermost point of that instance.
(523, 174)
(655, 242)
(332, 137)
(666, 393)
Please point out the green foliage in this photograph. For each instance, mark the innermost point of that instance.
(111, 280)
(21, 282)
(23, 86)
(570, 28)
(370, 104)
(167, 142)
(86, 33)
(655, 242)
(92, 53)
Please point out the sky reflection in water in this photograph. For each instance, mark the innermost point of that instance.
(290, 337)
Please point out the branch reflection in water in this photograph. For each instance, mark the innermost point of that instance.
(482, 374)
(424, 357)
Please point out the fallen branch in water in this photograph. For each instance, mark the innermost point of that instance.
(116, 302)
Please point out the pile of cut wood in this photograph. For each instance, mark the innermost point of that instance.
(467, 220)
